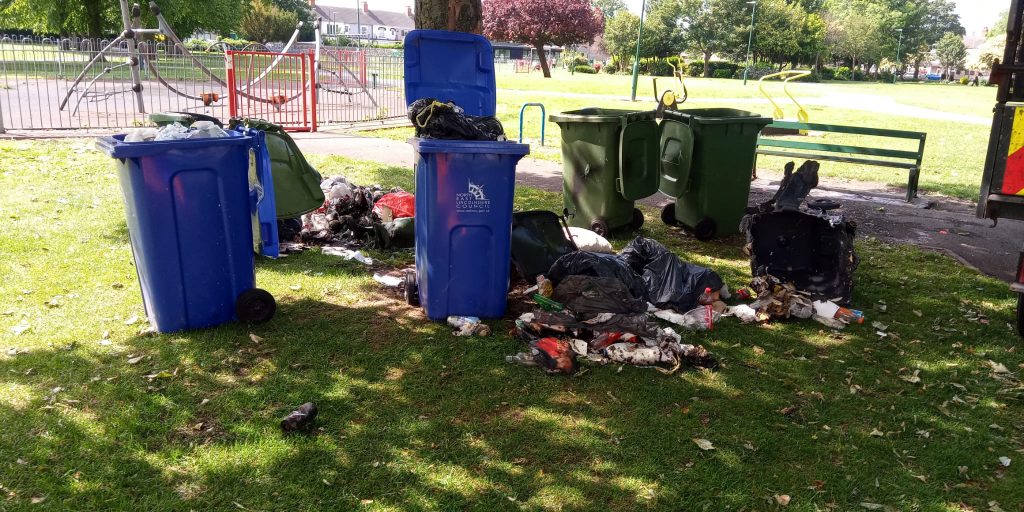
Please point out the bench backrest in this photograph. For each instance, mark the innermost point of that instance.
(843, 148)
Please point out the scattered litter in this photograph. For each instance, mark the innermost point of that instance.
(346, 253)
(132, 320)
(997, 367)
(1004, 461)
(587, 240)
(701, 318)
(386, 280)
(300, 419)
(468, 326)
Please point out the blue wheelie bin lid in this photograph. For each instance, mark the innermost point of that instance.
(451, 66)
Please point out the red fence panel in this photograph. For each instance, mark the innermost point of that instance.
(277, 87)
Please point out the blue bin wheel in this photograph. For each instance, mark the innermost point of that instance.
(599, 226)
(638, 218)
(255, 306)
(412, 289)
(668, 214)
(705, 229)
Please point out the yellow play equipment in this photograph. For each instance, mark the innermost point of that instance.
(793, 74)
(677, 94)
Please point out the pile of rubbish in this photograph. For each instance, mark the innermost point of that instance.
(602, 308)
(436, 120)
(176, 131)
(352, 217)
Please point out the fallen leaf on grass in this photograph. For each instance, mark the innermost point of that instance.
(913, 379)
(758, 351)
(703, 444)
(871, 506)
(922, 478)
(239, 505)
(135, 360)
(365, 502)
(876, 433)
(782, 499)
(38, 499)
(749, 446)
(255, 338)
(998, 367)
(918, 313)
(132, 320)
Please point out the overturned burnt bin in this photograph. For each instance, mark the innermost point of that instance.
(812, 249)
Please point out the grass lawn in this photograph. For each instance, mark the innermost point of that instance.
(954, 153)
(413, 418)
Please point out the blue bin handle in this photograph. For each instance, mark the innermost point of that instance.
(266, 207)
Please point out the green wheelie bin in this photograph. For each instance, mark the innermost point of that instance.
(712, 184)
(609, 160)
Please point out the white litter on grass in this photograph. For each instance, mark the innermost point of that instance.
(19, 329)
(1005, 461)
(348, 254)
(389, 281)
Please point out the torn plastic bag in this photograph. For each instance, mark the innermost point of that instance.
(812, 251)
(543, 323)
(588, 296)
(669, 282)
(401, 204)
(436, 120)
(593, 264)
(538, 240)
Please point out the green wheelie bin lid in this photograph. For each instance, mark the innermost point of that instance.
(639, 172)
(296, 183)
(676, 157)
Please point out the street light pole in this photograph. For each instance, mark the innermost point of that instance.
(899, 48)
(636, 60)
(750, 38)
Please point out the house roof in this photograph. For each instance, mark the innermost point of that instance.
(350, 16)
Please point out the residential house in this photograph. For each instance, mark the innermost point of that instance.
(363, 22)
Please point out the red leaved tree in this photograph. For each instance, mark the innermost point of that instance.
(540, 22)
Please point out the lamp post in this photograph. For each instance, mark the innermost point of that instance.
(636, 60)
(750, 38)
(899, 48)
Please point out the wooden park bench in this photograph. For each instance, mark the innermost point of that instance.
(900, 159)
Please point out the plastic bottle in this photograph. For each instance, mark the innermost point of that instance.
(544, 286)
(850, 316)
(701, 318)
(708, 297)
(547, 304)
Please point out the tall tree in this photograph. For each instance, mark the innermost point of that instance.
(95, 18)
(778, 30)
(620, 37)
(267, 22)
(452, 15)
(542, 22)
(609, 7)
(951, 52)
(711, 26)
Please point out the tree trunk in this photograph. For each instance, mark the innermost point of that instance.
(917, 68)
(707, 64)
(543, 59)
(451, 15)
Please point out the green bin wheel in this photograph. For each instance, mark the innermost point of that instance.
(668, 214)
(255, 306)
(412, 289)
(1020, 314)
(638, 218)
(705, 229)
(599, 226)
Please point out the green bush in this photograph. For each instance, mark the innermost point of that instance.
(583, 68)
(885, 76)
(758, 70)
(723, 73)
(964, 80)
(611, 68)
(858, 75)
(827, 73)
(579, 60)
(655, 67)
(843, 73)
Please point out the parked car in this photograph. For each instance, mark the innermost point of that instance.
(933, 76)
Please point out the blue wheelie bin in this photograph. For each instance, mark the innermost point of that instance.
(195, 217)
(464, 189)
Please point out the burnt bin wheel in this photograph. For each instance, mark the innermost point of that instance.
(638, 219)
(255, 306)
(668, 214)
(1020, 314)
(412, 289)
(705, 229)
(600, 227)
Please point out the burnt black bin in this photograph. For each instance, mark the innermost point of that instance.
(811, 250)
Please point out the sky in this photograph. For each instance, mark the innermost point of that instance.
(974, 14)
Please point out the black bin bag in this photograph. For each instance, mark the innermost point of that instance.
(537, 242)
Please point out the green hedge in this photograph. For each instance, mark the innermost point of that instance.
(583, 68)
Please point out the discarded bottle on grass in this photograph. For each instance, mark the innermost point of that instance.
(522, 358)
(547, 304)
(701, 318)
(300, 419)
(850, 316)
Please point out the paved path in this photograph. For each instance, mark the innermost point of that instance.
(949, 226)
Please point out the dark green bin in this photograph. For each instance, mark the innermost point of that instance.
(711, 187)
(609, 160)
